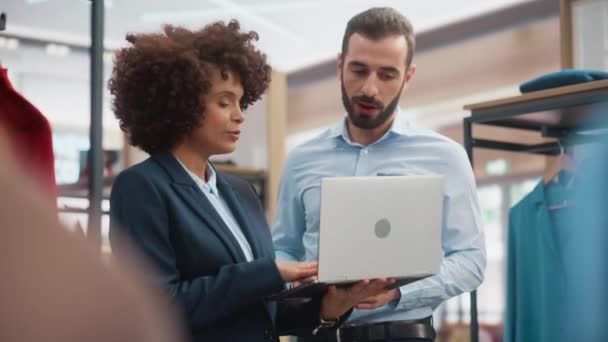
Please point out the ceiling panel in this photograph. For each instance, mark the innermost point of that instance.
(294, 33)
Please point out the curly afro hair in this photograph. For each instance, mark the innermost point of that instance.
(158, 82)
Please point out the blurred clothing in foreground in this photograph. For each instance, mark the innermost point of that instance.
(55, 287)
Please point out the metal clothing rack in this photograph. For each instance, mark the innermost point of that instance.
(95, 194)
(95, 182)
(563, 112)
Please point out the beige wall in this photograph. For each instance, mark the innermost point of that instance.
(277, 130)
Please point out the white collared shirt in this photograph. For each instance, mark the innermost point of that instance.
(212, 193)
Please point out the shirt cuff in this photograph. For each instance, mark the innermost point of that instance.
(411, 296)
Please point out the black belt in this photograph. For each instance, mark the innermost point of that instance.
(385, 331)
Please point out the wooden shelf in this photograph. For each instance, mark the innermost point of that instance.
(232, 169)
(559, 108)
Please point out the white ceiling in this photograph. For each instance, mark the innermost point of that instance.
(294, 33)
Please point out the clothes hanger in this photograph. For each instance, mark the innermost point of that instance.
(562, 163)
(557, 171)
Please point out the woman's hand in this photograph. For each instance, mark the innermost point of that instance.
(338, 301)
(296, 271)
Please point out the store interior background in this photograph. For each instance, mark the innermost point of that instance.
(468, 51)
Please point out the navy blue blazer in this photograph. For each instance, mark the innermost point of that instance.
(197, 259)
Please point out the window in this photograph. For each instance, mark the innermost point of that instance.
(495, 201)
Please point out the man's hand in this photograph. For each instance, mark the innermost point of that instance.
(379, 300)
(338, 301)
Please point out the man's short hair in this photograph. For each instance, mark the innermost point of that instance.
(380, 22)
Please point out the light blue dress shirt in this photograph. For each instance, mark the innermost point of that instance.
(403, 150)
(213, 195)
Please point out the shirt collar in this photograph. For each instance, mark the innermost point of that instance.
(210, 185)
(212, 178)
(399, 127)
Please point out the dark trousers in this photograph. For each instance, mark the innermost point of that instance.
(317, 339)
(403, 331)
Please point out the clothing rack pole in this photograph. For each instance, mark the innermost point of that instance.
(2, 21)
(95, 155)
(468, 145)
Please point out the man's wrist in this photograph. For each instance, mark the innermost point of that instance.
(325, 323)
(396, 294)
(328, 320)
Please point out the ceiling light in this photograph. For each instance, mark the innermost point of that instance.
(12, 43)
(498, 167)
(9, 43)
(57, 50)
(107, 3)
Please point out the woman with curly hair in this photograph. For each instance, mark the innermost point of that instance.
(180, 95)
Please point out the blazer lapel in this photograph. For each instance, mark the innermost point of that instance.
(544, 222)
(185, 187)
(234, 202)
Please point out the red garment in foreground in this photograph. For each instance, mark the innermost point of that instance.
(30, 134)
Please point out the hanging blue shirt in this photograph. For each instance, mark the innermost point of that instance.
(535, 267)
(403, 150)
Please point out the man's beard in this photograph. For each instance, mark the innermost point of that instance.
(364, 121)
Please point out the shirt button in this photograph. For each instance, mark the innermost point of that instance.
(364, 151)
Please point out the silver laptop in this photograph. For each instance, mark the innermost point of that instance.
(377, 227)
